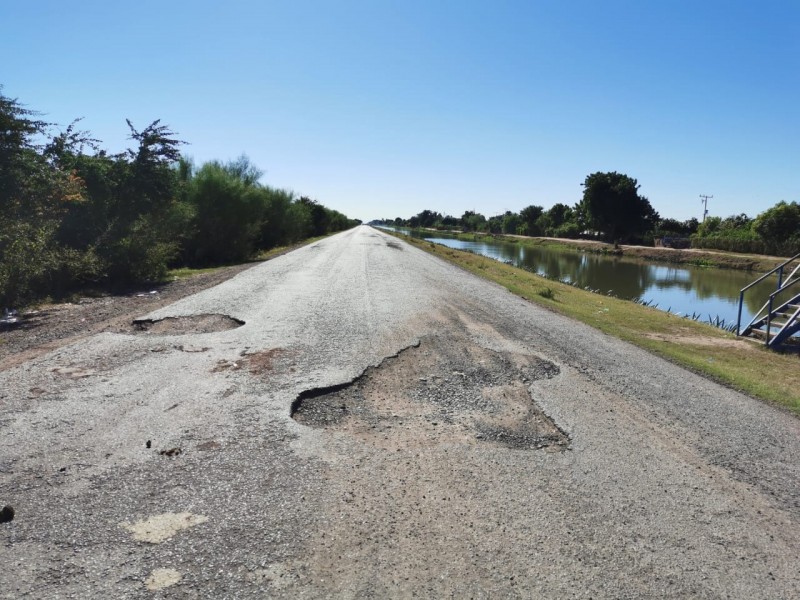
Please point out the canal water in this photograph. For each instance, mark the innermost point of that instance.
(708, 292)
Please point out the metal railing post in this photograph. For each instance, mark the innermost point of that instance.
(769, 318)
(739, 318)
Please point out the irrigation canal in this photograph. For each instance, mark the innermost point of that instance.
(705, 293)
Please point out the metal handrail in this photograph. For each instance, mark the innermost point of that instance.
(760, 313)
(781, 286)
(789, 322)
(781, 307)
(765, 275)
(792, 274)
(785, 286)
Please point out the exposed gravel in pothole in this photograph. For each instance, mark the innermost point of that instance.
(190, 324)
(432, 394)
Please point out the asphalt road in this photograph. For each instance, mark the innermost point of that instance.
(385, 425)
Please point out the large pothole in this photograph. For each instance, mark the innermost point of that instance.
(447, 389)
(205, 323)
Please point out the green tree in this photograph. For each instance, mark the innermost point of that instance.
(554, 221)
(449, 222)
(529, 219)
(673, 227)
(146, 221)
(472, 221)
(320, 219)
(736, 222)
(558, 214)
(511, 222)
(427, 218)
(710, 226)
(279, 225)
(780, 223)
(35, 193)
(495, 224)
(228, 211)
(614, 208)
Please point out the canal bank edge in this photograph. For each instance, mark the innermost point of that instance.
(756, 263)
(706, 350)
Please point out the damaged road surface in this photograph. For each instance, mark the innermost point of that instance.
(449, 390)
(359, 419)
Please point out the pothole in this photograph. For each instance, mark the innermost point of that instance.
(446, 390)
(206, 323)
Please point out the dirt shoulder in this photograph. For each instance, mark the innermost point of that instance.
(49, 326)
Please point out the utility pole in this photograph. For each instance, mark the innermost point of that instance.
(705, 205)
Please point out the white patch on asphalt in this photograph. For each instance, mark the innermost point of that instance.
(162, 578)
(160, 528)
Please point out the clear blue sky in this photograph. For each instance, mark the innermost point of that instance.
(383, 109)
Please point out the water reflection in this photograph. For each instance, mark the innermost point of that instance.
(681, 289)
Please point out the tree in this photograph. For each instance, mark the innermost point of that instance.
(779, 223)
(554, 221)
(709, 226)
(428, 218)
(472, 221)
(511, 222)
(35, 193)
(319, 216)
(613, 207)
(146, 221)
(495, 224)
(28, 186)
(450, 222)
(529, 217)
(228, 210)
(673, 227)
(558, 214)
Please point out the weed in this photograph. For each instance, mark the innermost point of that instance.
(702, 262)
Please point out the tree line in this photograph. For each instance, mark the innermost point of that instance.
(73, 214)
(613, 210)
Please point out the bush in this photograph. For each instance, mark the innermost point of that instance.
(228, 210)
(142, 255)
(33, 265)
(547, 293)
(569, 230)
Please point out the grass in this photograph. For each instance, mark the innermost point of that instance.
(704, 349)
(184, 272)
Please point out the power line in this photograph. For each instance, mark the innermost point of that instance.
(705, 205)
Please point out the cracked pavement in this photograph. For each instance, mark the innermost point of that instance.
(503, 451)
